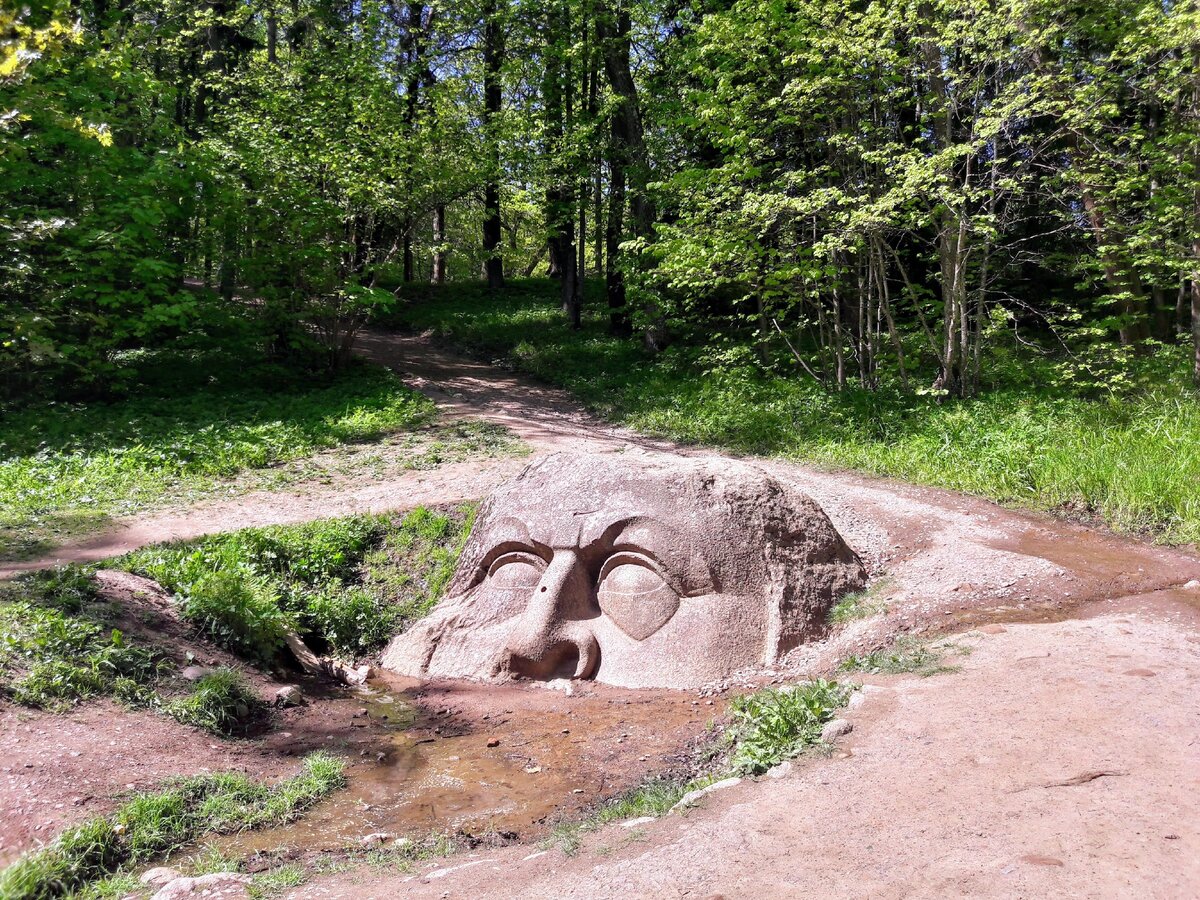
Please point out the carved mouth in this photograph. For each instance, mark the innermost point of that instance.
(563, 660)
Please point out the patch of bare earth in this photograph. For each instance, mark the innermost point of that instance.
(1062, 760)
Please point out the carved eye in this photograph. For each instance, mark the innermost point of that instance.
(635, 596)
(515, 571)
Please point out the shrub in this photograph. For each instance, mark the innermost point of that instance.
(774, 724)
(237, 611)
(221, 702)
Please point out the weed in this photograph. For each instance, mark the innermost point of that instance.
(237, 611)
(150, 825)
(859, 605)
(274, 882)
(906, 655)
(347, 584)
(652, 798)
(51, 658)
(775, 724)
(220, 702)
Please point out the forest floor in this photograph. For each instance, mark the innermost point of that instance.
(1058, 756)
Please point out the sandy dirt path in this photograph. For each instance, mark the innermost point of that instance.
(1063, 760)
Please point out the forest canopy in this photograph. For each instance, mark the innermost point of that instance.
(921, 197)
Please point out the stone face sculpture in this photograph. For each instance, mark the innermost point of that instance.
(663, 573)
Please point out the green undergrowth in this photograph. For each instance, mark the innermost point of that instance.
(156, 824)
(192, 422)
(775, 724)
(59, 647)
(906, 655)
(345, 585)
(1131, 458)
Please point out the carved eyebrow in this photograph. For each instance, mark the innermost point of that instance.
(689, 574)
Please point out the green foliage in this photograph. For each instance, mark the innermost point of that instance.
(200, 419)
(774, 724)
(346, 584)
(236, 611)
(151, 825)
(905, 655)
(52, 656)
(221, 703)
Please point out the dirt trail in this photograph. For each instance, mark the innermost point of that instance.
(1062, 761)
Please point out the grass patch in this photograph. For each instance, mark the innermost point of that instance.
(56, 648)
(151, 825)
(859, 605)
(194, 421)
(346, 585)
(220, 702)
(906, 655)
(274, 882)
(1132, 459)
(652, 798)
(775, 724)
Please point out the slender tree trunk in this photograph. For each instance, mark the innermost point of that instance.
(493, 56)
(627, 154)
(438, 276)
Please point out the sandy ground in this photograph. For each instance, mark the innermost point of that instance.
(1063, 760)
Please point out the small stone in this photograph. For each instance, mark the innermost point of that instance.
(781, 770)
(402, 843)
(532, 770)
(1193, 585)
(494, 742)
(195, 673)
(994, 628)
(691, 797)
(289, 696)
(376, 839)
(634, 823)
(159, 876)
(214, 886)
(834, 729)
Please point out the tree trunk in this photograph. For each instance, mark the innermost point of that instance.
(493, 56)
(438, 276)
(627, 160)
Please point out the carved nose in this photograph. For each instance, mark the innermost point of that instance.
(553, 639)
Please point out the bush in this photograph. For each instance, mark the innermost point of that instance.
(350, 620)
(221, 702)
(237, 611)
(774, 724)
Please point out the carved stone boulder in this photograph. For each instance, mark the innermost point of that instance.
(666, 572)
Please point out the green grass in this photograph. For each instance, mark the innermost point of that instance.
(347, 584)
(220, 702)
(652, 798)
(906, 655)
(193, 422)
(860, 604)
(1132, 459)
(775, 724)
(152, 825)
(57, 648)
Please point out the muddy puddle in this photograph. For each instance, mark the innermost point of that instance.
(510, 759)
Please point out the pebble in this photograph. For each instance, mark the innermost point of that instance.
(834, 729)
(289, 696)
(691, 797)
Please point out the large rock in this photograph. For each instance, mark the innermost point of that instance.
(665, 572)
(214, 886)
